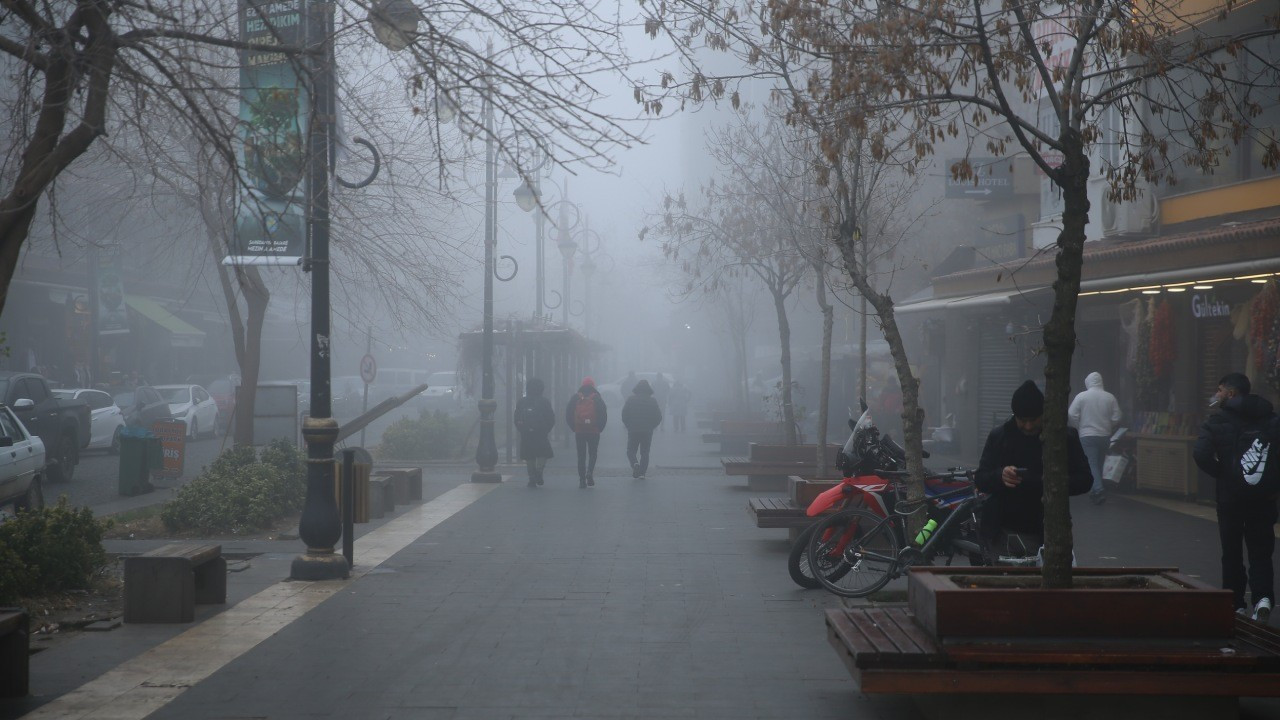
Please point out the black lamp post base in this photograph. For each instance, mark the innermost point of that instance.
(480, 476)
(320, 566)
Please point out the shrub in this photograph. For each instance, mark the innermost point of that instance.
(48, 550)
(240, 492)
(433, 436)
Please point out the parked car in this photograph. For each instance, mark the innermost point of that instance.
(105, 418)
(223, 389)
(193, 405)
(22, 464)
(142, 406)
(64, 426)
(443, 392)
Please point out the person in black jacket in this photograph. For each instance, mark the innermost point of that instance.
(1012, 470)
(1233, 447)
(586, 415)
(534, 418)
(641, 415)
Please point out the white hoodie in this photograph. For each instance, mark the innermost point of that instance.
(1095, 411)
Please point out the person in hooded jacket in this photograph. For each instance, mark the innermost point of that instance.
(586, 415)
(1234, 446)
(641, 415)
(1012, 471)
(1094, 413)
(534, 418)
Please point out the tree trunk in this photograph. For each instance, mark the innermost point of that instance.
(784, 337)
(1060, 343)
(49, 152)
(256, 297)
(824, 401)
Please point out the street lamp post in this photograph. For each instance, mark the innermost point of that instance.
(487, 445)
(567, 247)
(319, 527)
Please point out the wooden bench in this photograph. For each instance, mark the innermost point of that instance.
(406, 482)
(788, 512)
(15, 649)
(767, 467)
(886, 651)
(734, 436)
(164, 585)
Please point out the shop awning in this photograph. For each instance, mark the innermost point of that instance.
(982, 301)
(181, 332)
(1206, 273)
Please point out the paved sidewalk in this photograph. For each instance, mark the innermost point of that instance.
(653, 598)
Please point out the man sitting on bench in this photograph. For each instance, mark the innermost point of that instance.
(1012, 473)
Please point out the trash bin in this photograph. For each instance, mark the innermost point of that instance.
(140, 452)
(360, 491)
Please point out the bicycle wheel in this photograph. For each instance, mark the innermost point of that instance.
(798, 563)
(861, 548)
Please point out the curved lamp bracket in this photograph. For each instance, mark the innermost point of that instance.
(515, 268)
(577, 308)
(548, 305)
(377, 165)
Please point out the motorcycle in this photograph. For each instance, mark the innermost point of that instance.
(869, 463)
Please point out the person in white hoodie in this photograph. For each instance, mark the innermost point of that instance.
(1095, 413)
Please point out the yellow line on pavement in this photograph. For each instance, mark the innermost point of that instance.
(139, 687)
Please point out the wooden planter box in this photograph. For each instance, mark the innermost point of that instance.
(990, 602)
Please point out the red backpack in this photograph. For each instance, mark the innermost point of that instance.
(584, 414)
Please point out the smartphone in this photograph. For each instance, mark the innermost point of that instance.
(1022, 472)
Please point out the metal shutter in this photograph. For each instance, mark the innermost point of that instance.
(999, 374)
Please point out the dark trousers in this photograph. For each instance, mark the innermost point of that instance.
(638, 449)
(588, 445)
(1247, 522)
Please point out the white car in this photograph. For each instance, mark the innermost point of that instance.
(443, 392)
(21, 464)
(105, 417)
(193, 405)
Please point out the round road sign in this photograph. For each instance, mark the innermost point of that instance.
(368, 368)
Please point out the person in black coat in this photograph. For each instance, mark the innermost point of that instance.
(1233, 447)
(1012, 470)
(641, 415)
(586, 415)
(534, 418)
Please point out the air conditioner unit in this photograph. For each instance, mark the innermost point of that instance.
(1129, 218)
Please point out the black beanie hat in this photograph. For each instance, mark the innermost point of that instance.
(1028, 401)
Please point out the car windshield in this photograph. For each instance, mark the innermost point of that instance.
(124, 399)
(175, 395)
(64, 394)
(442, 379)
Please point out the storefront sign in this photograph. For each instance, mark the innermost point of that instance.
(1208, 306)
(271, 137)
(993, 178)
(173, 445)
(113, 315)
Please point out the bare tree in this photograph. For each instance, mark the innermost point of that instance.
(1163, 82)
(90, 69)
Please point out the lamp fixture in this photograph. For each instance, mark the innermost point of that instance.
(1176, 289)
(1202, 286)
(1150, 292)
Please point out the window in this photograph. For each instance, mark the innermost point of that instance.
(33, 390)
(9, 429)
(175, 395)
(97, 400)
(201, 395)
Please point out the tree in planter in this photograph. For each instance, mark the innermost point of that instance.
(1161, 82)
(746, 225)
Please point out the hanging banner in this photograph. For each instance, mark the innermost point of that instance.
(113, 315)
(271, 137)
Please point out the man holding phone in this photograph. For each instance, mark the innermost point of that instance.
(1012, 471)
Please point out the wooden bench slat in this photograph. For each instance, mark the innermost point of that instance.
(893, 632)
(1095, 654)
(906, 623)
(1002, 681)
(192, 553)
(874, 633)
(863, 649)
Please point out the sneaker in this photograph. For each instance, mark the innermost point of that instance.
(1262, 611)
(539, 478)
(635, 470)
(591, 481)
(641, 477)
(1098, 498)
(1242, 612)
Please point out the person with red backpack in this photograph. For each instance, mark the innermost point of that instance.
(587, 415)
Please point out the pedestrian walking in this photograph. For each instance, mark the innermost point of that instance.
(534, 418)
(640, 415)
(587, 415)
(1094, 413)
(661, 391)
(628, 384)
(1233, 447)
(678, 404)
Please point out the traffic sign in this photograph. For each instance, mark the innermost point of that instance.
(368, 369)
